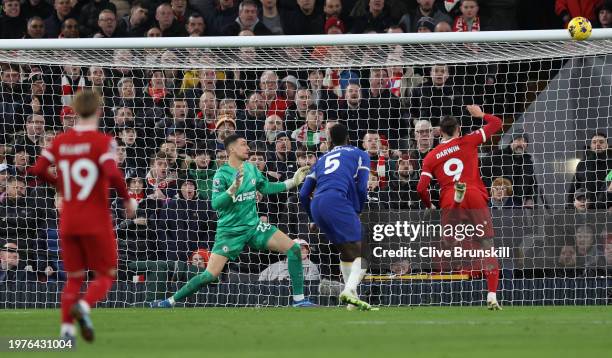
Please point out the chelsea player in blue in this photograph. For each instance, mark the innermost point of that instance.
(341, 180)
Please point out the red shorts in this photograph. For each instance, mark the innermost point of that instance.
(473, 210)
(97, 252)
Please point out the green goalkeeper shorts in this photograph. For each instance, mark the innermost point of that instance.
(231, 245)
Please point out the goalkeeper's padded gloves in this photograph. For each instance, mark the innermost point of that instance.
(298, 177)
(233, 189)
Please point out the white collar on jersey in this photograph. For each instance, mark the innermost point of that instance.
(84, 127)
(448, 140)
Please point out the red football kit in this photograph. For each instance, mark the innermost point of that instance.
(85, 162)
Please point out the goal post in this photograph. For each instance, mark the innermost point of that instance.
(169, 102)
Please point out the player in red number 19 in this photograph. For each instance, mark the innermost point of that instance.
(86, 166)
(464, 198)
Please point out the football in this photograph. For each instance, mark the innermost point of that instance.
(580, 28)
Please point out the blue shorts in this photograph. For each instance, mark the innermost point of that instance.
(336, 217)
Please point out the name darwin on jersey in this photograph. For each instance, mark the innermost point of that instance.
(447, 151)
(74, 149)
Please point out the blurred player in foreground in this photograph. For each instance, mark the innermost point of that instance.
(86, 167)
(464, 197)
(341, 180)
(234, 195)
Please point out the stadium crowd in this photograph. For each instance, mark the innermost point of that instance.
(170, 123)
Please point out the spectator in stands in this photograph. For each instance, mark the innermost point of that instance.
(189, 221)
(378, 162)
(423, 138)
(199, 258)
(272, 127)
(426, 24)
(581, 203)
(309, 134)
(32, 8)
(225, 126)
(377, 18)
(34, 130)
(246, 20)
(502, 194)
(378, 198)
(72, 81)
(156, 97)
(279, 271)
(207, 81)
(10, 270)
(567, 256)
(218, 14)
(202, 170)
(425, 8)
(167, 23)
(333, 8)
(296, 113)
(70, 29)
(282, 159)
(19, 161)
(13, 24)
(206, 117)
(89, 17)
(4, 175)
(567, 9)
(127, 95)
(107, 23)
(592, 170)
(268, 84)
(18, 215)
(35, 28)
(586, 248)
(403, 182)
(10, 100)
(608, 251)
(443, 26)
(46, 102)
(136, 23)
(307, 19)
(604, 15)
(271, 17)
(383, 108)
(436, 97)
(160, 179)
(354, 112)
(53, 24)
(196, 26)
(250, 121)
(181, 11)
(228, 106)
(514, 163)
(67, 118)
(177, 119)
(469, 19)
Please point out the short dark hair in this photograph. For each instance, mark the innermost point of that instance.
(448, 125)
(230, 139)
(338, 134)
(599, 134)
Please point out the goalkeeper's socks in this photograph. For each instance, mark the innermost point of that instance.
(194, 285)
(356, 275)
(296, 270)
(70, 295)
(98, 289)
(345, 268)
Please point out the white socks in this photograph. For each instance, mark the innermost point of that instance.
(345, 267)
(491, 296)
(355, 276)
(297, 298)
(171, 300)
(85, 305)
(67, 329)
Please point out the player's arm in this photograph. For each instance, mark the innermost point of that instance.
(492, 125)
(265, 187)
(424, 181)
(41, 167)
(363, 174)
(223, 195)
(309, 185)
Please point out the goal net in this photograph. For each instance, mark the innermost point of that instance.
(170, 103)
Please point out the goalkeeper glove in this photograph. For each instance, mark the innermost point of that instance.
(298, 177)
(231, 191)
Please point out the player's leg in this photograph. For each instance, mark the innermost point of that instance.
(214, 268)
(353, 271)
(490, 270)
(280, 242)
(73, 260)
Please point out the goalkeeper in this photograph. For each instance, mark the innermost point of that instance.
(235, 185)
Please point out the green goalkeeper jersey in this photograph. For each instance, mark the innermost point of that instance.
(240, 215)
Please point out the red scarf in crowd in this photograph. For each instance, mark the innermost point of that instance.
(461, 25)
(157, 93)
(137, 197)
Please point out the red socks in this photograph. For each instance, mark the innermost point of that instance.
(490, 270)
(70, 295)
(98, 289)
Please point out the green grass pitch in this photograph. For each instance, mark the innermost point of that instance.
(329, 332)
